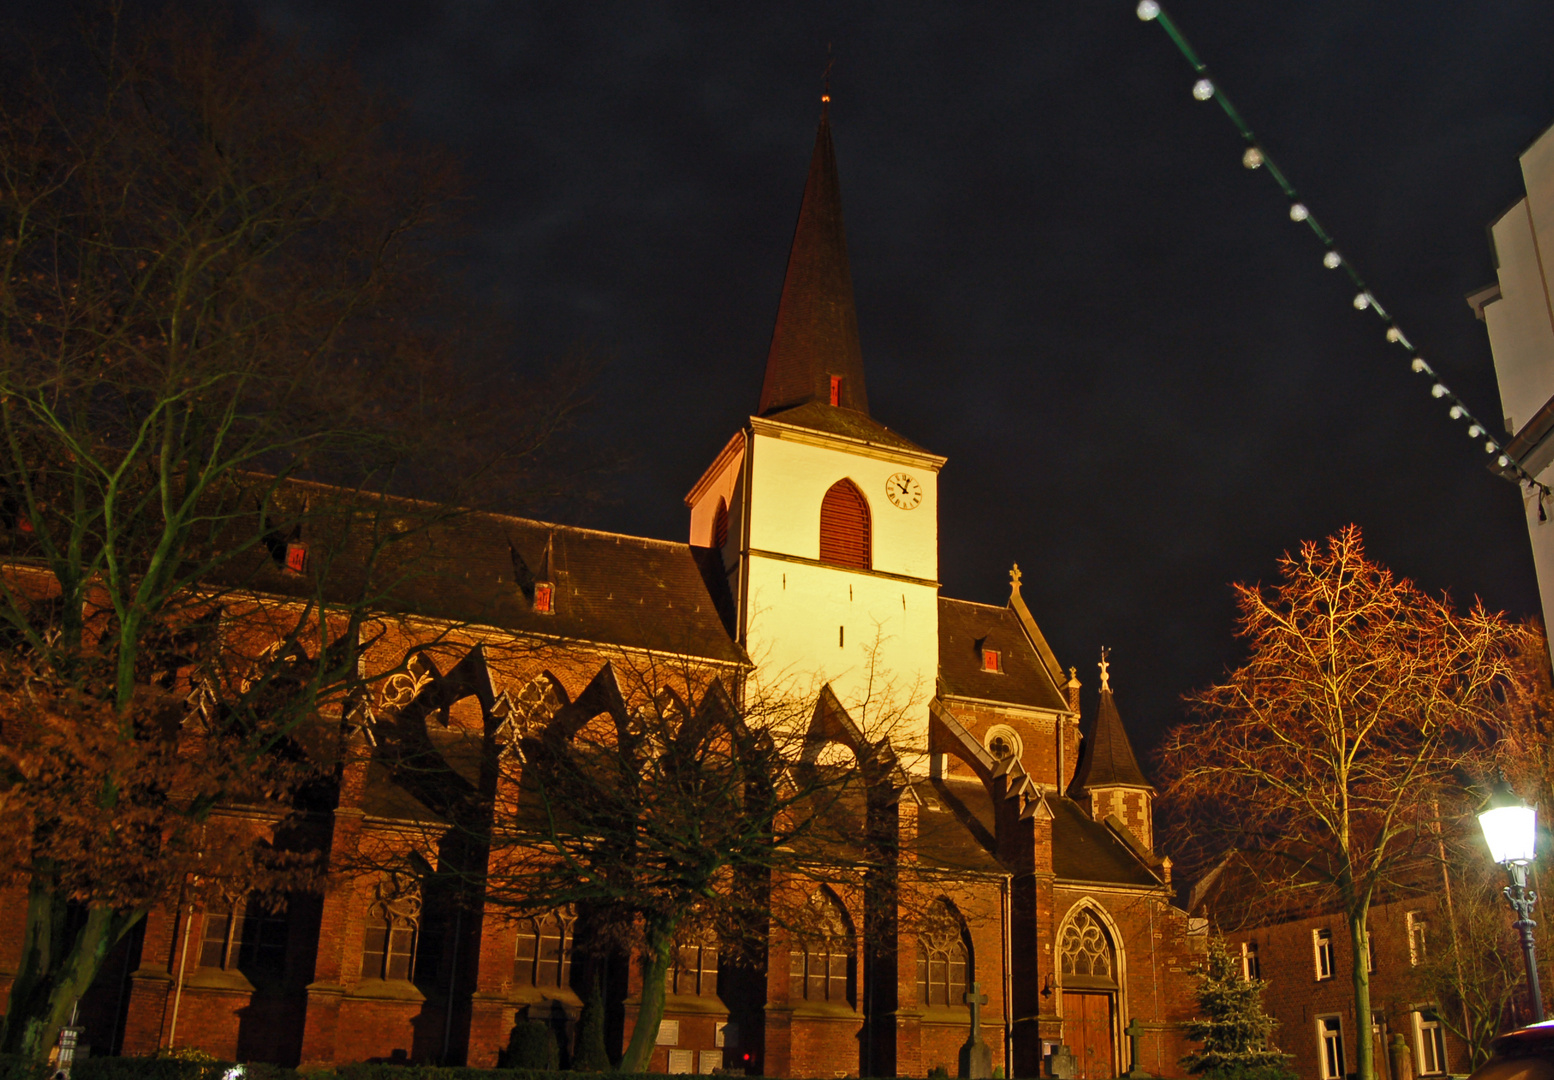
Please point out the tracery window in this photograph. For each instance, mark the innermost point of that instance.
(694, 970)
(246, 937)
(1085, 953)
(944, 963)
(544, 953)
(393, 923)
(823, 967)
(844, 527)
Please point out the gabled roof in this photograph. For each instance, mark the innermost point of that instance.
(816, 335)
(1085, 850)
(965, 630)
(819, 416)
(1107, 758)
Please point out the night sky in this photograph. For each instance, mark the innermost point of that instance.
(1145, 382)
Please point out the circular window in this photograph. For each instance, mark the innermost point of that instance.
(1002, 742)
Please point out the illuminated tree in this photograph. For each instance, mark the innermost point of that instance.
(1326, 755)
(1237, 1035)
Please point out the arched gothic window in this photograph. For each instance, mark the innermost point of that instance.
(944, 961)
(824, 967)
(694, 970)
(393, 922)
(844, 527)
(544, 953)
(1086, 954)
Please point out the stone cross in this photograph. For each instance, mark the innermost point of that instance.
(976, 999)
(976, 1056)
(1133, 1031)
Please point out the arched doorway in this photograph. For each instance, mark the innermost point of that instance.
(1088, 965)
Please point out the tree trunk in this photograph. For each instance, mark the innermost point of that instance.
(59, 964)
(1364, 1050)
(657, 950)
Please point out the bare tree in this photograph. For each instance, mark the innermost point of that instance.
(1324, 756)
(217, 278)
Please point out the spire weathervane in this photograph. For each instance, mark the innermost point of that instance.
(1104, 665)
(825, 93)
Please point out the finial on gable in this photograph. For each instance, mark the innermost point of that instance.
(1014, 580)
(1105, 665)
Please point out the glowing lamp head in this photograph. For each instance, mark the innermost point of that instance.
(1148, 10)
(1510, 826)
(1203, 89)
(1298, 212)
(1332, 260)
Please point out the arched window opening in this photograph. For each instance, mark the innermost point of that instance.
(247, 937)
(823, 967)
(1086, 954)
(720, 524)
(694, 969)
(393, 923)
(844, 527)
(543, 957)
(944, 961)
(1003, 742)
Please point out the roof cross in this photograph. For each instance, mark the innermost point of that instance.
(1104, 665)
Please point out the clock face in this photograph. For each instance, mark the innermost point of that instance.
(904, 491)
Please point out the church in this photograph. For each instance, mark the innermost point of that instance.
(811, 565)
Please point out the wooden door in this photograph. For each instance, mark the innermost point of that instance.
(1087, 1029)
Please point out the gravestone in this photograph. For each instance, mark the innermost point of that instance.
(1133, 1031)
(1061, 1064)
(976, 1056)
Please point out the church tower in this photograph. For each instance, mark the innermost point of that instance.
(1109, 782)
(826, 520)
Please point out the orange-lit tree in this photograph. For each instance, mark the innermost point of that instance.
(1328, 755)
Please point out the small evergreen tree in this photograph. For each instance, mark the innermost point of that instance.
(1235, 1032)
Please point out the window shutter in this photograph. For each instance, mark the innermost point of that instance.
(844, 526)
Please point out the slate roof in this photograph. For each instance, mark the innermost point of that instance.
(820, 416)
(477, 567)
(965, 629)
(816, 335)
(1085, 850)
(1107, 757)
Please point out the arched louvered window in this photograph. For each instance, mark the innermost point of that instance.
(720, 525)
(543, 956)
(844, 526)
(944, 967)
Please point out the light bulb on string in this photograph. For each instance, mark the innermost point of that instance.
(1503, 460)
(1490, 447)
(1148, 10)
(1474, 431)
(1438, 390)
(1203, 89)
(1253, 158)
(1420, 366)
(1332, 260)
(1362, 301)
(1394, 335)
(1458, 412)
(1298, 212)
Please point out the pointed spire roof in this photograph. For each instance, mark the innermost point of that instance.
(1107, 758)
(816, 337)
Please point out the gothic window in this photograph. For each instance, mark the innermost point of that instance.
(1085, 952)
(246, 937)
(393, 922)
(694, 969)
(544, 954)
(823, 967)
(844, 527)
(532, 707)
(944, 964)
(1003, 742)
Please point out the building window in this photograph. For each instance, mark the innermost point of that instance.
(1432, 1043)
(1322, 953)
(836, 389)
(248, 938)
(1418, 931)
(544, 598)
(822, 968)
(544, 953)
(990, 660)
(943, 958)
(1085, 953)
(844, 527)
(1250, 968)
(694, 970)
(1002, 742)
(1330, 1033)
(393, 922)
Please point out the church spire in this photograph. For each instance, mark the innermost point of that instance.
(815, 354)
(1107, 758)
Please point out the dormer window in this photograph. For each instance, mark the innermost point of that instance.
(296, 556)
(991, 660)
(836, 389)
(544, 598)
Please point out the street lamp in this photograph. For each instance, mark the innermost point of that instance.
(1510, 828)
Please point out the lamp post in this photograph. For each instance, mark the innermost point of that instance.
(1510, 829)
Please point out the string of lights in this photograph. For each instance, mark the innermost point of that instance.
(1256, 157)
